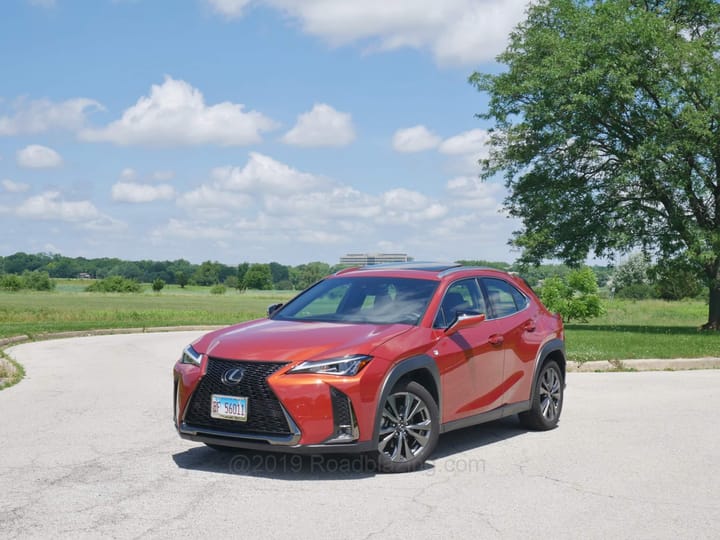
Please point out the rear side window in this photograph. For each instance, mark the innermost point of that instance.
(503, 298)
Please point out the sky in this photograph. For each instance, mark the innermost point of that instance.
(249, 130)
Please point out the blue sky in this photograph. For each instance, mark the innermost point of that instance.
(249, 130)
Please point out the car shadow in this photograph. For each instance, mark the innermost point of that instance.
(293, 467)
(473, 437)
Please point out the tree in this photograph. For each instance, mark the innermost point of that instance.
(181, 278)
(231, 282)
(574, 297)
(258, 276)
(631, 278)
(607, 130)
(674, 281)
(241, 271)
(306, 274)
(208, 273)
(279, 272)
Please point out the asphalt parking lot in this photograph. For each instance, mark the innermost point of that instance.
(88, 450)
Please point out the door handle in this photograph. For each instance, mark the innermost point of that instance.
(496, 339)
(529, 326)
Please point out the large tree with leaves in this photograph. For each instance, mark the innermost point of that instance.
(607, 129)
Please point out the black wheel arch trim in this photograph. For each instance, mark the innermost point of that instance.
(556, 345)
(400, 370)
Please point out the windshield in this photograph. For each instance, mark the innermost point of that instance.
(375, 300)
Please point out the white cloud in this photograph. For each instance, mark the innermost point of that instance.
(472, 192)
(36, 156)
(229, 8)
(336, 202)
(50, 206)
(37, 116)
(262, 174)
(14, 187)
(406, 206)
(456, 31)
(175, 114)
(132, 192)
(128, 174)
(320, 237)
(467, 149)
(210, 198)
(190, 230)
(415, 139)
(321, 126)
(474, 141)
(104, 224)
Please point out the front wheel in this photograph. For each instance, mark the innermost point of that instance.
(409, 428)
(547, 401)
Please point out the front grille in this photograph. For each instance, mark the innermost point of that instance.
(265, 414)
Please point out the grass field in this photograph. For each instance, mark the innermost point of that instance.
(68, 308)
(643, 329)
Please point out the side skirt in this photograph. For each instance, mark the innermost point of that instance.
(495, 414)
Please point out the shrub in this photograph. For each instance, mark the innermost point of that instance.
(575, 297)
(218, 289)
(37, 281)
(158, 284)
(11, 282)
(636, 291)
(115, 284)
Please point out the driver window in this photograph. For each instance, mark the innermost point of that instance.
(461, 297)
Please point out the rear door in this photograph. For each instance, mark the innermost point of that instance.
(515, 319)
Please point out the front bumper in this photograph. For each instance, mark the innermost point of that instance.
(274, 444)
(297, 413)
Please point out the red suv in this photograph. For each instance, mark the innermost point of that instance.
(379, 359)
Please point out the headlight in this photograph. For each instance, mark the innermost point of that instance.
(190, 356)
(347, 365)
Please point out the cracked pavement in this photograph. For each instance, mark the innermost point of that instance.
(88, 450)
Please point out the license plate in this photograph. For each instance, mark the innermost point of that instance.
(229, 407)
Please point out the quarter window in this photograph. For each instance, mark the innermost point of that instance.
(503, 297)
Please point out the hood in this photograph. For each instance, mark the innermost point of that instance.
(292, 341)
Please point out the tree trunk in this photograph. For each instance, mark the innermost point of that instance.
(714, 309)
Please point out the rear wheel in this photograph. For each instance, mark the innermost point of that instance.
(547, 401)
(409, 428)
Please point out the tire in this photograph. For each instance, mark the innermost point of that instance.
(547, 399)
(409, 426)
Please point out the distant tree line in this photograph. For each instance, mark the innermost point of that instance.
(636, 278)
(178, 272)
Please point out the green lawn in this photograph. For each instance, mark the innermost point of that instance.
(67, 308)
(643, 329)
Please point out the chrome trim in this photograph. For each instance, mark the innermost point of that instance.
(289, 440)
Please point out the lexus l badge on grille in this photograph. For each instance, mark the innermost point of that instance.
(233, 376)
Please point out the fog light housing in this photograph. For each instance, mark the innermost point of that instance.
(345, 426)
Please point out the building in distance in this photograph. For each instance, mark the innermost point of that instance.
(364, 259)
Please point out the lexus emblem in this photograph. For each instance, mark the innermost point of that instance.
(233, 376)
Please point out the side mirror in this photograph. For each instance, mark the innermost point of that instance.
(272, 308)
(464, 320)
